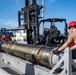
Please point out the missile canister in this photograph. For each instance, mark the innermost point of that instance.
(39, 54)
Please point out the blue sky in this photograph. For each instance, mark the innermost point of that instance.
(53, 9)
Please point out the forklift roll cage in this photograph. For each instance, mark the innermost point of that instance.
(56, 20)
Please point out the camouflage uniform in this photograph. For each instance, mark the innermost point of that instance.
(53, 32)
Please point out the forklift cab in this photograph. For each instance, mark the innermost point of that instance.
(59, 39)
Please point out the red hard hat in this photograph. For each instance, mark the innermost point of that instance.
(71, 24)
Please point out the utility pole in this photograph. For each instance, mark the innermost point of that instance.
(37, 1)
(43, 16)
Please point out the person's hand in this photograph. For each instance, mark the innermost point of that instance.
(56, 51)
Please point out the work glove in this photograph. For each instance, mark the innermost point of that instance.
(56, 51)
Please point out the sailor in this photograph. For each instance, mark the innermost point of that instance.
(53, 32)
(71, 41)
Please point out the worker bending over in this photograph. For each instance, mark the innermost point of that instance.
(71, 38)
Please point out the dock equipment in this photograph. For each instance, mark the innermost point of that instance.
(38, 59)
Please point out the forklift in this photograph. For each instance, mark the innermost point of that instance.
(29, 17)
(59, 39)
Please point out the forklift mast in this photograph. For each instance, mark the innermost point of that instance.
(29, 17)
